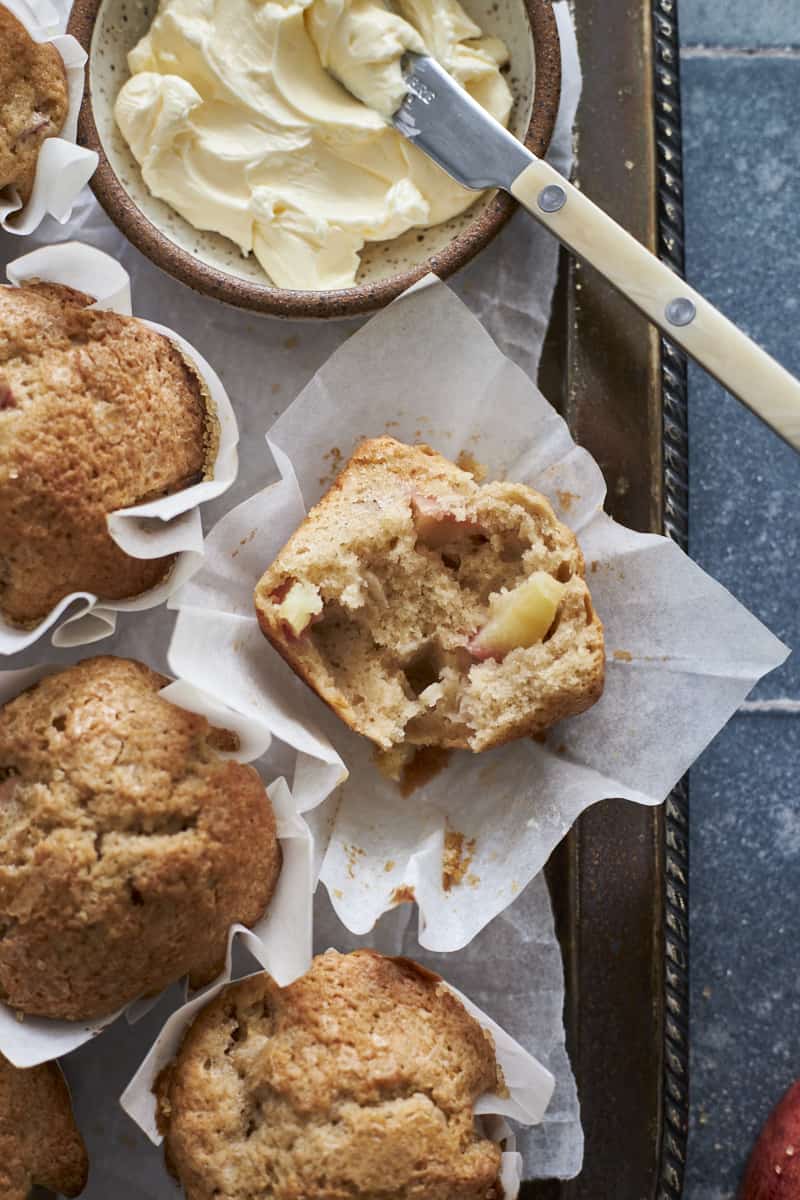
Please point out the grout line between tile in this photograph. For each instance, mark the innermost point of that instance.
(783, 704)
(703, 51)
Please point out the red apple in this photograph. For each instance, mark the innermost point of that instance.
(773, 1170)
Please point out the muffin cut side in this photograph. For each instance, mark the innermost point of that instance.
(39, 1141)
(429, 610)
(128, 846)
(33, 102)
(97, 413)
(356, 1082)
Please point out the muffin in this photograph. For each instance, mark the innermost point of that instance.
(33, 102)
(39, 1142)
(128, 845)
(428, 610)
(97, 412)
(356, 1082)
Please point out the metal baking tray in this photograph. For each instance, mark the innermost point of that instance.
(619, 881)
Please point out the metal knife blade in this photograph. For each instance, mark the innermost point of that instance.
(441, 118)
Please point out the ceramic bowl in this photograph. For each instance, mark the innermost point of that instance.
(210, 263)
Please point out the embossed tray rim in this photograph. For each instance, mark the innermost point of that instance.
(620, 880)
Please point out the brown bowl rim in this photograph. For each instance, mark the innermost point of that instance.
(346, 302)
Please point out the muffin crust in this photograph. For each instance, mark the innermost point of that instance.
(128, 846)
(356, 1082)
(97, 412)
(33, 102)
(39, 1142)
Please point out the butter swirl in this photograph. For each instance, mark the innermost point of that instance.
(236, 121)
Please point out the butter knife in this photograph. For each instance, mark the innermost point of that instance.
(443, 120)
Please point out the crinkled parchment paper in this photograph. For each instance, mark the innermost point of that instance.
(62, 168)
(682, 652)
(171, 525)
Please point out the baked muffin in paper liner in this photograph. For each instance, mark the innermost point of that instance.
(63, 167)
(529, 1085)
(280, 939)
(169, 526)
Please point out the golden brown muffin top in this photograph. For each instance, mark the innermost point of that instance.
(128, 846)
(33, 102)
(356, 1082)
(39, 1142)
(97, 412)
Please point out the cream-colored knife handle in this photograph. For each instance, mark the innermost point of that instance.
(700, 329)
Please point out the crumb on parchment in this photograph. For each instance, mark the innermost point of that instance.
(456, 858)
(333, 460)
(468, 462)
(353, 854)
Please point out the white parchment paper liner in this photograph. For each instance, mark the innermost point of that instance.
(530, 1085)
(171, 525)
(682, 652)
(281, 941)
(62, 168)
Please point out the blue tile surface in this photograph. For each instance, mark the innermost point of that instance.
(740, 22)
(742, 182)
(745, 1012)
(743, 251)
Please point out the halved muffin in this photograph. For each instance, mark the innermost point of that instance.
(429, 610)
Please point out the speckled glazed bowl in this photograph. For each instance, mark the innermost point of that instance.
(210, 263)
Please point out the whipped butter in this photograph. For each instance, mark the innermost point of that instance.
(237, 122)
